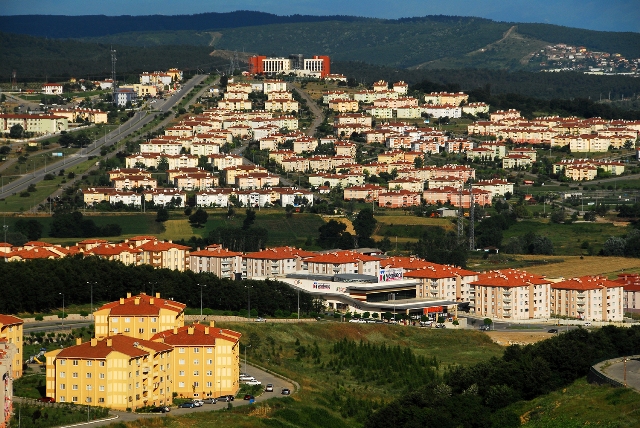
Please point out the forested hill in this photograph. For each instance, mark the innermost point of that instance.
(64, 27)
(417, 39)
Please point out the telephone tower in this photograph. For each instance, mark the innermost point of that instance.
(14, 81)
(472, 238)
(113, 74)
(460, 216)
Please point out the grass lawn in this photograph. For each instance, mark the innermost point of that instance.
(581, 404)
(567, 238)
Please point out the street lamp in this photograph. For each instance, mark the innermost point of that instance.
(245, 357)
(90, 283)
(248, 287)
(298, 304)
(62, 307)
(201, 287)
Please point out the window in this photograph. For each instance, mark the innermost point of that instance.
(141, 330)
(209, 384)
(209, 373)
(181, 350)
(74, 399)
(89, 363)
(75, 362)
(63, 386)
(63, 362)
(141, 319)
(181, 373)
(196, 384)
(209, 361)
(62, 399)
(101, 400)
(154, 319)
(196, 362)
(101, 375)
(181, 384)
(137, 384)
(88, 375)
(101, 387)
(154, 330)
(75, 374)
(62, 374)
(196, 373)
(127, 320)
(209, 350)
(126, 330)
(196, 350)
(74, 387)
(181, 362)
(101, 363)
(89, 387)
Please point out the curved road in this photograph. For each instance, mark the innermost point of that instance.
(140, 119)
(313, 106)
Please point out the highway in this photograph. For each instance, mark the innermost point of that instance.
(139, 120)
(38, 326)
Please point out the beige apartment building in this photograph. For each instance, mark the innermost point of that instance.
(11, 331)
(590, 298)
(117, 371)
(205, 360)
(140, 316)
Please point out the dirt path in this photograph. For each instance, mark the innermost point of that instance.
(506, 338)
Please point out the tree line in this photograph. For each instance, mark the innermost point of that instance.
(479, 395)
(38, 286)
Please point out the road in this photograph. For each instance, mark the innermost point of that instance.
(140, 119)
(39, 326)
(617, 371)
(313, 106)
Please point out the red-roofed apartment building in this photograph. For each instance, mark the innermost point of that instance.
(167, 255)
(444, 282)
(7, 356)
(590, 298)
(511, 294)
(274, 262)
(205, 360)
(140, 316)
(119, 372)
(343, 262)
(216, 260)
(631, 298)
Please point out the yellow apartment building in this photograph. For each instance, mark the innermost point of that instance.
(11, 331)
(140, 316)
(205, 360)
(118, 371)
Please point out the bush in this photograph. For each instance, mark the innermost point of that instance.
(39, 318)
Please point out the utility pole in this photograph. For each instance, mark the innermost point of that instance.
(113, 74)
(460, 216)
(472, 238)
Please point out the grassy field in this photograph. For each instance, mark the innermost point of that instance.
(579, 405)
(573, 266)
(567, 238)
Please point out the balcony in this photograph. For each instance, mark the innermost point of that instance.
(506, 315)
(507, 300)
(506, 293)
(507, 308)
(580, 310)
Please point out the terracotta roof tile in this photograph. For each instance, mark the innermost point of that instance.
(196, 335)
(130, 346)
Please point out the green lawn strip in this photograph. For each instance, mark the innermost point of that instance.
(45, 415)
(581, 404)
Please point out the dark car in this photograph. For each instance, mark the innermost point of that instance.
(210, 400)
(226, 398)
(552, 330)
(286, 391)
(189, 405)
(249, 397)
(161, 409)
(47, 400)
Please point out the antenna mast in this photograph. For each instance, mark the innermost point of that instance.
(472, 238)
(460, 216)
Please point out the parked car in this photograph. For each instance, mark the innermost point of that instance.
(426, 323)
(440, 326)
(161, 409)
(354, 320)
(246, 378)
(198, 403)
(269, 387)
(253, 382)
(47, 400)
(286, 391)
(249, 397)
(210, 400)
(485, 328)
(552, 330)
(260, 319)
(188, 405)
(587, 324)
(226, 398)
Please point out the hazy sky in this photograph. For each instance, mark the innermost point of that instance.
(609, 15)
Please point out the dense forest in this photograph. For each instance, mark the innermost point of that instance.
(479, 396)
(37, 59)
(37, 286)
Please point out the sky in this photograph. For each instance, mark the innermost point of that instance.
(603, 15)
